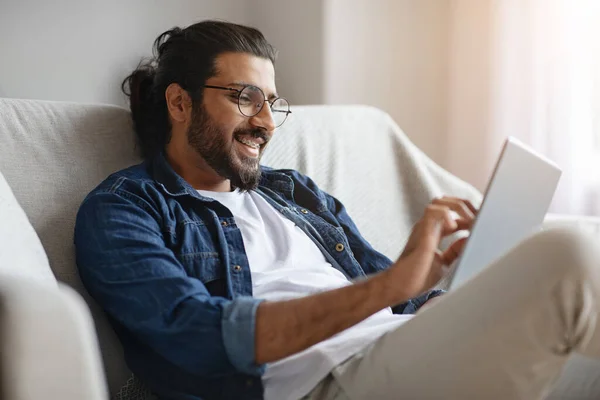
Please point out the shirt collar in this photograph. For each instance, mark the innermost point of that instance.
(171, 181)
(175, 185)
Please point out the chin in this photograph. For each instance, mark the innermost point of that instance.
(245, 174)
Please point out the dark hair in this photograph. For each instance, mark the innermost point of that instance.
(186, 57)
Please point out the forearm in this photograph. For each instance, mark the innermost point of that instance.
(287, 327)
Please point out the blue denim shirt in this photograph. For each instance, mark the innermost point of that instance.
(169, 268)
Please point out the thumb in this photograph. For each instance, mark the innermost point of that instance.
(454, 251)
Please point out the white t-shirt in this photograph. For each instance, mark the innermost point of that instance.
(285, 264)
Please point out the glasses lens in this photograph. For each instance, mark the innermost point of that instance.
(280, 109)
(251, 101)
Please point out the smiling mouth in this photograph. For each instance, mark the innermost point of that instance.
(248, 143)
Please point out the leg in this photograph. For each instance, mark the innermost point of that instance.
(504, 335)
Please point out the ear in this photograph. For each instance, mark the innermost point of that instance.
(179, 103)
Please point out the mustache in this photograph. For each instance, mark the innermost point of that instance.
(255, 133)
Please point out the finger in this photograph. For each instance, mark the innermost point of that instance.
(465, 217)
(466, 202)
(453, 252)
(456, 205)
(441, 214)
(464, 225)
(429, 230)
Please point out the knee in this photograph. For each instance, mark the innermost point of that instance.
(570, 249)
(561, 236)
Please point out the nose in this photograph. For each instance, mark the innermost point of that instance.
(264, 119)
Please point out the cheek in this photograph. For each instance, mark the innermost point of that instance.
(226, 130)
(229, 127)
(225, 115)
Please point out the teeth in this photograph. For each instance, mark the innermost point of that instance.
(248, 143)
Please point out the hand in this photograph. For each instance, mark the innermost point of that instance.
(420, 266)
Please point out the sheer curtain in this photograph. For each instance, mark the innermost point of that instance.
(529, 69)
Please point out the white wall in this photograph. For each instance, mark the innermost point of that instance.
(471, 80)
(296, 29)
(80, 51)
(392, 54)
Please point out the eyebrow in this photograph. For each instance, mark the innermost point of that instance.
(271, 96)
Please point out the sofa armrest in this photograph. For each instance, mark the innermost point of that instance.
(585, 223)
(48, 345)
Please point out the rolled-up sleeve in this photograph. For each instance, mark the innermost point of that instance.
(239, 317)
(126, 266)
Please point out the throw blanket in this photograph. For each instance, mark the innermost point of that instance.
(360, 155)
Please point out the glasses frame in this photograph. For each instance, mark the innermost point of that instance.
(271, 102)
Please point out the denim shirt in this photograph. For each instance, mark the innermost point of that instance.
(169, 268)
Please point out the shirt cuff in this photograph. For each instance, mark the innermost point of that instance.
(413, 305)
(239, 331)
(428, 296)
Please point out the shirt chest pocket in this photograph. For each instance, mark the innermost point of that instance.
(208, 269)
(204, 266)
(197, 250)
(194, 239)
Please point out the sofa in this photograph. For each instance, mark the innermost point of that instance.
(56, 342)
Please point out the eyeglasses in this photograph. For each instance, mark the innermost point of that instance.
(251, 100)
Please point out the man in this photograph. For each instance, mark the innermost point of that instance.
(227, 280)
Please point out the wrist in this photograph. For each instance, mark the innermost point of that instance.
(389, 288)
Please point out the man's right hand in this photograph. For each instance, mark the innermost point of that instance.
(420, 266)
(286, 327)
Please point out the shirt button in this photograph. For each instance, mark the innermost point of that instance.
(224, 223)
(237, 268)
(339, 247)
(304, 211)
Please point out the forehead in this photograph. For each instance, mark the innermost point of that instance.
(246, 68)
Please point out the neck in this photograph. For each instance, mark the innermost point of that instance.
(194, 169)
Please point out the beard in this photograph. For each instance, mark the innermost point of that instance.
(212, 144)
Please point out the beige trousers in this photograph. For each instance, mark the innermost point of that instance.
(504, 335)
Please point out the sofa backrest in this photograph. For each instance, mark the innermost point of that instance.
(53, 153)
